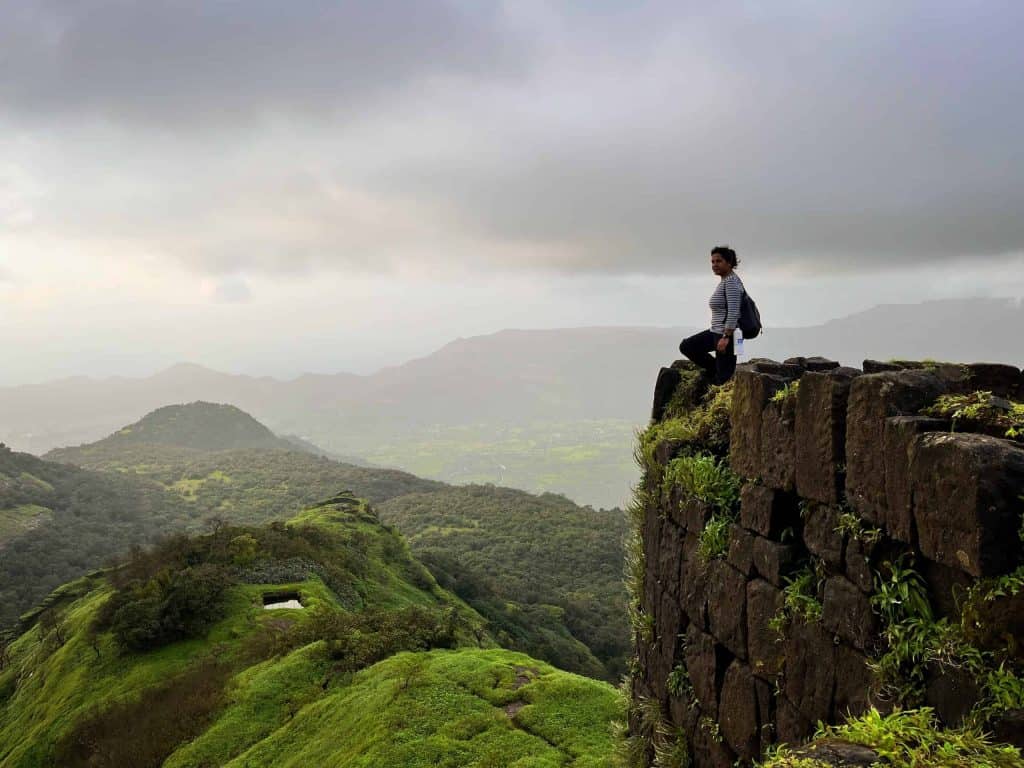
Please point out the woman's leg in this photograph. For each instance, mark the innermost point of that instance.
(698, 348)
(725, 364)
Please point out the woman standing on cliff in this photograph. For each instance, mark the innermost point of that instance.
(725, 316)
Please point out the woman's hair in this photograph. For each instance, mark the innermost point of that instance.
(726, 253)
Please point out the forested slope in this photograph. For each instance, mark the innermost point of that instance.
(509, 552)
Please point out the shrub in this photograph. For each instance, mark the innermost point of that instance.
(705, 479)
(169, 607)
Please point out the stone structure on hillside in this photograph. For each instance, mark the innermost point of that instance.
(841, 474)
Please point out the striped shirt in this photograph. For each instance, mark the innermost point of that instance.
(730, 288)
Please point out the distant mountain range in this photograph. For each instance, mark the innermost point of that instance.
(532, 379)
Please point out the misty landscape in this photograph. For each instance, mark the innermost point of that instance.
(544, 411)
(345, 420)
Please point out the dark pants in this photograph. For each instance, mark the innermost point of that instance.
(699, 347)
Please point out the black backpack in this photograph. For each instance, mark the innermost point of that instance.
(750, 316)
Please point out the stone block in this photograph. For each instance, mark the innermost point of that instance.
(947, 586)
(997, 625)
(765, 693)
(669, 625)
(787, 370)
(791, 726)
(810, 673)
(853, 684)
(683, 712)
(837, 753)
(675, 505)
(767, 511)
(693, 580)
(967, 501)
(764, 645)
(846, 612)
(898, 446)
(951, 692)
(710, 750)
(858, 564)
(873, 399)
(1009, 728)
(701, 658)
(821, 536)
(818, 364)
(778, 444)
(773, 561)
(666, 558)
(751, 393)
(668, 380)
(1001, 380)
(727, 607)
(821, 433)
(651, 535)
(741, 550)
(695, 515)
(737, 712)
(878, 366)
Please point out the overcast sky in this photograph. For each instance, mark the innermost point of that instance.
(272, 187)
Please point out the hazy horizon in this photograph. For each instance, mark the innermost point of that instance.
(256, 372)
(341, 188)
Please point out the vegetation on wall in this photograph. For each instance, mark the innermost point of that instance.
(905, 739)
(981, 409)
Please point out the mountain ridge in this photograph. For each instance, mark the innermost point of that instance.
(484, 403)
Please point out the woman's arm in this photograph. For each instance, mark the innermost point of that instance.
(734, 294)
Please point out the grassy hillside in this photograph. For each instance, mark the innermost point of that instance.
(545, 572)
(517, 556)
(57, 521)
(199, 427)
(172, 660)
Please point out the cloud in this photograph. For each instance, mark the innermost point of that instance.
(263, 138)
(227, 290)
(195, 64)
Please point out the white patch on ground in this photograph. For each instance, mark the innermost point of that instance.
(284, 604)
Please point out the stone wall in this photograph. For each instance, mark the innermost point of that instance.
(711, 656)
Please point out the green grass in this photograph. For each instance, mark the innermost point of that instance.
(705, 479)
(909, 739)
(24, 517)
(62, 671)
(800, 600)
(448, 709)
(980, 408)
(189, 486)
(261, 699)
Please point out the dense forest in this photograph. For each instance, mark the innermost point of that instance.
(509, 552)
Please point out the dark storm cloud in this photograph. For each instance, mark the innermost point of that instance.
(199, 62)
(577, 137)
(846, 139)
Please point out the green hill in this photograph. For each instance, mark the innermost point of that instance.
(58, 521)
(171, 659)
(545, 572)
(199, 427)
